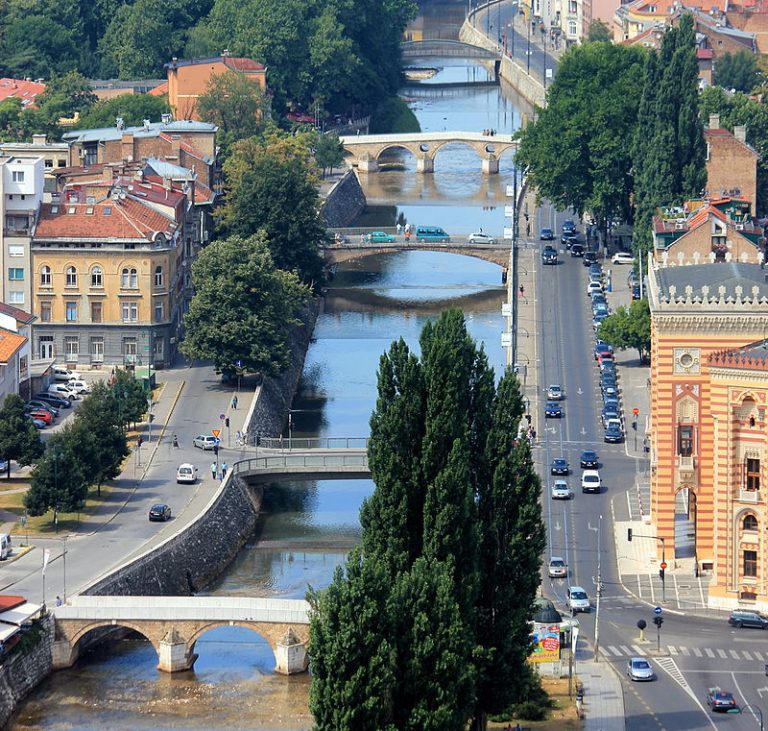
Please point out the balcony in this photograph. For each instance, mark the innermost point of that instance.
(749, 496)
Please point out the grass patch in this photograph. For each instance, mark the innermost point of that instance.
(560, 717)
(393, 116)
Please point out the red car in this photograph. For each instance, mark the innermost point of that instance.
(42, 415)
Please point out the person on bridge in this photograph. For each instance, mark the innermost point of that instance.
(213, 470)
(399, 229)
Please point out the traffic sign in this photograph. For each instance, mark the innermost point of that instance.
(657, 610)
(216, 432)
(635, 411)
(222, 416)
(663, 565)
(239, 363)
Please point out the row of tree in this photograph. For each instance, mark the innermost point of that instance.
(426, 626)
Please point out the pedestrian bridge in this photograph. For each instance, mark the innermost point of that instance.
(443, 48)
(173, 624)
(365, 150)
(275, 465)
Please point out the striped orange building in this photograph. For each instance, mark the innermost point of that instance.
(709, 389)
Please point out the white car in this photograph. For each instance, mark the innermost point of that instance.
(204, 441)
(557, 568)
(560, 490)
(60, 373)
(590, 481)
(594, 286)
(62, 391)
(79, 387)
(622, 257)
(577, 600)
(555, 393)
(480, 238)
(186, 474)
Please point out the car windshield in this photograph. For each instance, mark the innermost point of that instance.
(557, 563)
(590, 478)
(641, 664)
(588, 455)
(578, 595)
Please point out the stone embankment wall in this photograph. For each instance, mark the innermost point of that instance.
(20, 673)
(344, 202)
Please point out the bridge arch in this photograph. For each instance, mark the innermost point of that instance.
(445, 48)
(113, 624)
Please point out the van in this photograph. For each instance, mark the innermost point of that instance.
(431, 233)
(62, 390)
(61, 373)
(5, 546)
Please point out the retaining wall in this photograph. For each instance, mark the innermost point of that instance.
(344, 202)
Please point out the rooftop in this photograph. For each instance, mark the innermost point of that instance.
(235, 63)
(712, 282)
(153, 129)
(754, 355)
(24, 89)
(25, 318)
(10, 343)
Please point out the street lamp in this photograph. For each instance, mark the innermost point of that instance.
(528, 52)
(64, 558)
(752, 707)
(599, 592)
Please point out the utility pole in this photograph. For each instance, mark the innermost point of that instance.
(599, 592)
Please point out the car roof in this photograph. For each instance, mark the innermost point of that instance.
(559, 459)
(187, 464)
(556, 558)
(588, 451)
(159, 505)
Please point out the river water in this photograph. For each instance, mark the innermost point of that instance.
(307, 527)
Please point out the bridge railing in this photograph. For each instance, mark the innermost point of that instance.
(304, 443)
(293, 461)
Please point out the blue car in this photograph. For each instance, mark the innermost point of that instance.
(613, 435)
(547, 234)
(559, 466)
(553, 409)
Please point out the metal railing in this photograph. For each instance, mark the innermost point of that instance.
(299, 443)
(301, 463)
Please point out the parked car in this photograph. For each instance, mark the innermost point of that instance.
(79, 387)
(560, 490)
(638, 668)
(622, 257)
(613, 435)
(63, 391)
(549, 255)
(379, 237)
(61, 373)
(635, 291)
(602, 347)
(590, 481)
(57, 401)
(480, 238)
(598, 320)
(742, 618)
(590, 257)
(577, 249)
(600, 308)
(720, 701)
(614, 423)
(596, 272)
(547, 234)
(553, 410)
(186, 474)
(204, 441)
(555, 393)
(34, 404)
(557, 568)
(594, 287)
(589, 459)
(577, 600)
(604, 356)
(41, 414)
(39, 423)
(560, 466)
(159, 512)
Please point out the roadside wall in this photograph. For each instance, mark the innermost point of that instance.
(344, 202)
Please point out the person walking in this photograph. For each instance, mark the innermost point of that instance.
(238, 438)
(224, 469)
(234, 402)
(213, 470)
(399, 228)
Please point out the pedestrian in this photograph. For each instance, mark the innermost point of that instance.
(399, 229)
(59, 602)
(407, 234)
(224, 469)
(362, 238)
(175, 441)
(213, 470)
(238, 438)
(234, 402)
(533, 434)
(522, 291)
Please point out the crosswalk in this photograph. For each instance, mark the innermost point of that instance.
(683, 651)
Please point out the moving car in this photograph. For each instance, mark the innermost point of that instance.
(577, 249)
(555, 393)
(379, 237)
(204, 441)
(431, 233)
(638, 668)
(557, 568)
(560, 466)
(569, 227)
(613, 434)
(622, 257)
(741, 618)
(721, 700)
(589, 459)
(547, 234)
(577, 600)
(159, 512)
(549, 255)
(553, 409)
(589, 258)
(186, 474)
(480, 238)
(568, 239)
(560, 490)
(590, 481)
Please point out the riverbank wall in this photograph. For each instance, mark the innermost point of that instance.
(344, 202)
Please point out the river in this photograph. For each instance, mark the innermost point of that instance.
(307, 527)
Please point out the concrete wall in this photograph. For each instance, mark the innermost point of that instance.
(20, 673)
(344, 202)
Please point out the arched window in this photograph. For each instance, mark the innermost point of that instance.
(750, 523)
(130, 278)
(45, 276)
(158, 276)
(97, 277)
(71, 277)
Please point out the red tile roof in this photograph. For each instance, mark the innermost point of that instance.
(159, 90)
(10, 601)
(20, 89)
(243, 64)
(10, 344)
(19, 315)
(705, 54)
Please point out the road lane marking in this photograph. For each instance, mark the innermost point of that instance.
(747, 704)
(697, 651)
(722, 654)
(670, 667)
(614, 651)
(758, 655)
(638, 650)
(672, 649)
(709, 652)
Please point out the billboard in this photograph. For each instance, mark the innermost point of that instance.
(546, 643)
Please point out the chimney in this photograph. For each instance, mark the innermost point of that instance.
(714, 121)
(38, 139)
(126, 149)
(740, 133)
(106, 174)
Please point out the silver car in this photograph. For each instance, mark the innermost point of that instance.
(480, 238)
(638, 668)
(557, 568)
(204, 441)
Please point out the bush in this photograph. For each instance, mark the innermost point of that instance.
(394, 116)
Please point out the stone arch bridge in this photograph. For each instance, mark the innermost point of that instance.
(365, 150)
(173, 624)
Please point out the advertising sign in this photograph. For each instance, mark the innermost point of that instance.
(546, 643)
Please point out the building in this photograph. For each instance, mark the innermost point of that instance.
(105, 258)
(24, 89)
(15, 351)
(55, 155)
(188, 80)
(731, 162)
(708, 419)
(110, 88)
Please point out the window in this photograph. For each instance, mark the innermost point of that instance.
(95, 311)
(750, 563)
(18, 176)
(97, 350)
(45, 311)
(48, 162)
(45, 276)
(572, 27)
(16, 274)
(46, 347)
(71, 347)
(158, 276)
(97, 277)
(15, 251)
(129, 346)
(62, 163)
(15, 298)
(130, 312)
(750, 523)
(685, 441)
(753, 474)
(130, 279)
(158, 312)
(573, 6)
(71, 311)
(159, 349)
(71, 277)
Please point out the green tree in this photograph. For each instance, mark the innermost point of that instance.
(19, 438)
(127, 399)
(599, 32)
(329, 152)
(271, 187)
(133, 109)
(737, 71)
(243, 307)
(629, 328)
(59, 480)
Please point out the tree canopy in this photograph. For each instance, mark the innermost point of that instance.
(133, 109)
(243, 307)
(599, 32)
(19, 438)
(629, 328)
(426, 627)
(737, 71)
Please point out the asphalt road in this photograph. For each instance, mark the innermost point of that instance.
(696, 652)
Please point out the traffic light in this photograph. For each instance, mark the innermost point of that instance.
(216, 449)
(226, 422)
(661, 574)
(658, 621)
(140, 441)
(629, 534)
(634, 424)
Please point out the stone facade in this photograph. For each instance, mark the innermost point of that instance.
(731, 162)
(344, 202)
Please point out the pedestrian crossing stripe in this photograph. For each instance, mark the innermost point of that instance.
(697, 652)
(709, 652)
(678, 650)
(747, 656)
(735, 655)
(722, 654)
